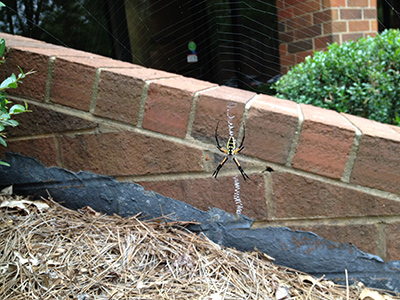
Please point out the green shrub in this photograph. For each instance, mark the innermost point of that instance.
(361, 78)
(7, 112)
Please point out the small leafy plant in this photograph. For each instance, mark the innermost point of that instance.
(361, 78)
(7, 112)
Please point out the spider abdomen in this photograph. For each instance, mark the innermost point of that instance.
(231, 145)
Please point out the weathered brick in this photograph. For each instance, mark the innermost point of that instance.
(286, 37)
(307, 32)
(296, 196)
(364, 237)
(212, 107)
(43, 149)
(72, 83)
(288, 60)
(352, 36)
(322, 16)
(300, 22)
(43, 120)
(392, 232)
(357, 3)
(377, 164)
(350, 14)
(322, 42)
(127, 153)
(34, 85)
(210, 192)
(337, 3)
(120, 91)
(355, 26)
(270, 128)
(285, 14)
(168, 104)
(338, 26)
(300, 46)
(325, 142)
(370, 13)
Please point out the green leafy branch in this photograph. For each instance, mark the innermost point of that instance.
(6, 112)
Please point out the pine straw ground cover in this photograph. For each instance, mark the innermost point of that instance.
(50, 252)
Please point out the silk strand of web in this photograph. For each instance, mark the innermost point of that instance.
(236, 193)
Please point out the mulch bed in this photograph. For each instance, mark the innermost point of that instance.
(51, 252)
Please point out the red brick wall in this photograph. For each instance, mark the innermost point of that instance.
(335, 174)
(307, 26)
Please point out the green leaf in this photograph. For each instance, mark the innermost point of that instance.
(13, 123)
(2, 162)
(2, 4)
(3, 142)
(2, 46)
(17, 109)
(7, 82)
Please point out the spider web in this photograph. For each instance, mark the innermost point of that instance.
(236, 41)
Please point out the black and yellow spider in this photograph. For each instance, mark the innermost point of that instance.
(231, 150)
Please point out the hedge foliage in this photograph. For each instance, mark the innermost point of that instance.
(361, 78)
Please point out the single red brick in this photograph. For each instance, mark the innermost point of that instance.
(299, 22)
(377, 164)
(370, 13)
(204, 193)
(307, 32)
(286, 37)
(127, 153)
(288, 60)
(43, 149)
(283, 49)
(325, 142)
(285, 14)
(352, 36)
(296, 196)
(168, 104)
(43, 120)
(322, 42)
(270, 128)
(212, 107)
(72, 83)
(364, 237)
(392, 232)
(357, 3)
(322, 16)
(337, 3)
(338, 26)
(355, 26)
(123, 104)
(34, 85)
(350, 14)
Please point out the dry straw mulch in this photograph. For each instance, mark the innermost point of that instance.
(50, 252)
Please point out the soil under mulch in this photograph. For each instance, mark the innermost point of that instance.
(50, 252)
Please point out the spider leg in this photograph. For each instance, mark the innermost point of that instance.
(215, 174)
(241, 147)
(217, 142)
(240, 168)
